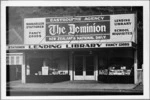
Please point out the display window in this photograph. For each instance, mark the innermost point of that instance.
(121, 66)
(56, 64)
(116, 66)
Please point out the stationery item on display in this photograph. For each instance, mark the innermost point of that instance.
(103, 72)
(123, 67)
(127, 72)
(55, 72)
(39, 72)
(45, 70)
(62, 72)
(28, 70)
(119, 72)
(36, 73)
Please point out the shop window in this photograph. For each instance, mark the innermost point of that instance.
(35, 66)
(117, 66)
(48, 66)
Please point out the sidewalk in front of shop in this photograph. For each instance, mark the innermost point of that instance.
(74, 87)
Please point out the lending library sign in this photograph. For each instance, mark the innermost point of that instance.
(69, 46)
(83, 29)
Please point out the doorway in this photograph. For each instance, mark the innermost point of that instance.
(84, 67)
(13, 72)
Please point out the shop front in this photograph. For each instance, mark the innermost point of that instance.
(105, 65)
(100, 48)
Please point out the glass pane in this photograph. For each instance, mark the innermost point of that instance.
(79, 65)
(7, 60)
(78, 72)
(12, 60)
(90, 72)
(89, 65)
(17, 60)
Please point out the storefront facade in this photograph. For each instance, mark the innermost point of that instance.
(96, 47)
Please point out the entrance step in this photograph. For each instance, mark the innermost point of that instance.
(84, 81)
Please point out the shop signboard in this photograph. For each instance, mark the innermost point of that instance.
(70, 46)
(80, 29)
(34, 30)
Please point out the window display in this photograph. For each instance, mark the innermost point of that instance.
(116, 66)
(103, 72)
(114, 70)
(47, 67)
(46, 70)
(121, 71)
(56, 64)
(49, 70)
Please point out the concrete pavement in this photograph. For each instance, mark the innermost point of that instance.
(75, 87)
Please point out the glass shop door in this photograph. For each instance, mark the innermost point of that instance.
(84, 67)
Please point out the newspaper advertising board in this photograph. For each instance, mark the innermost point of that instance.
(80, 29)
